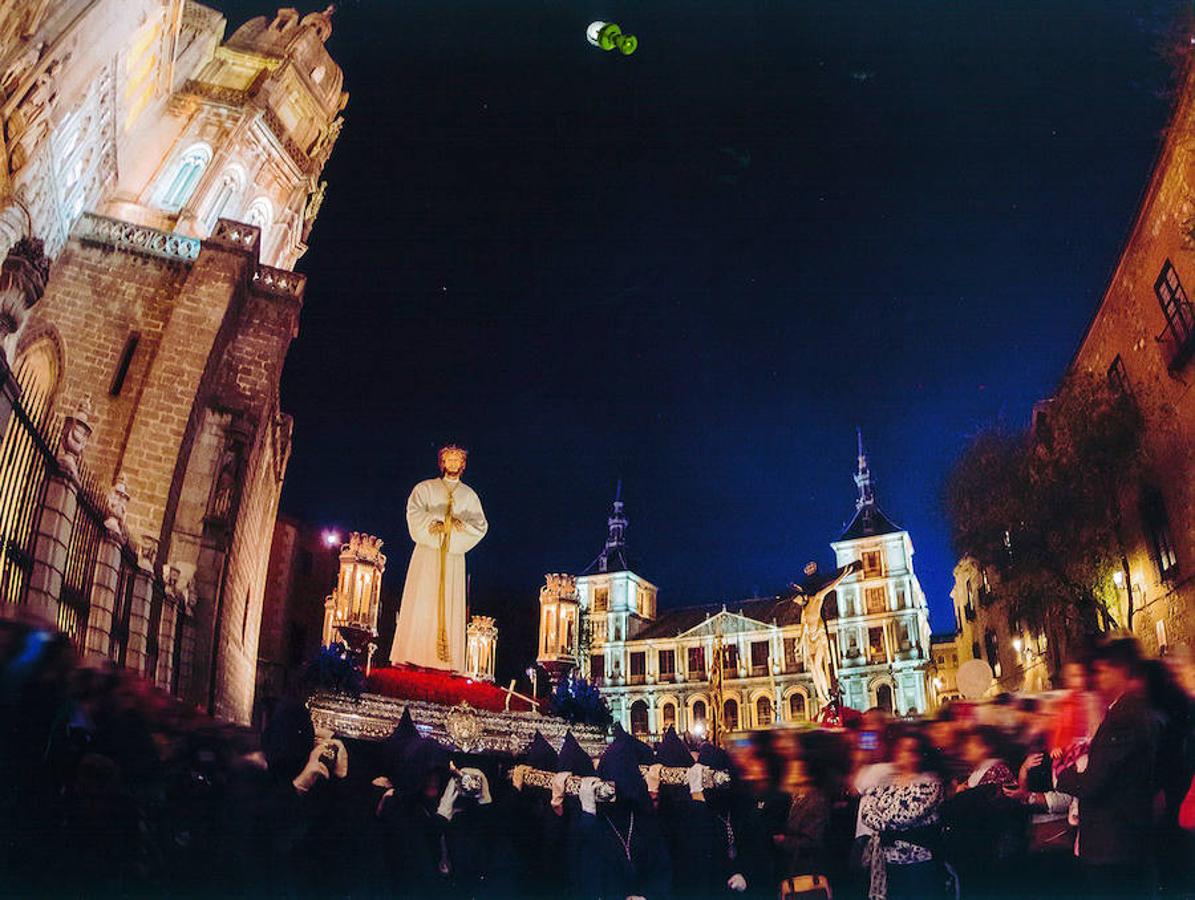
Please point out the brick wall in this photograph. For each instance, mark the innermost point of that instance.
(1129, 323)
(213, 335)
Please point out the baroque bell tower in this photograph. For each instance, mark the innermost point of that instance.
(245, 139)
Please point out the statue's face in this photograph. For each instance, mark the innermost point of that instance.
(452, 462)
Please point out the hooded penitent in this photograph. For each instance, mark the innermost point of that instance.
(420, 758)
(673, 752)
(288, 739)
(395, 745)
(540, 754)
(643, 753)
(573, 757)
(620, 764)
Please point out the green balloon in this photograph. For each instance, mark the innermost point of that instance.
(609, 36)
(626, 44)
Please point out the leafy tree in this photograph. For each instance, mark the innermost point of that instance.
(1042, 508)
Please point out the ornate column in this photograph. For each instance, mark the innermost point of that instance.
(143, 579)
(57, 517)
(106, 581)
(165, 673)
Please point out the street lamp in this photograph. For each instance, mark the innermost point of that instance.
(331, 538)
(1118, 578)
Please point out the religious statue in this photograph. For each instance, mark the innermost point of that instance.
(814, 642)
(446, 521)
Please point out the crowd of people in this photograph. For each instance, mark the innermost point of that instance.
(111, 788)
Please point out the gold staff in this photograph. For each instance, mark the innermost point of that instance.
(445, 540)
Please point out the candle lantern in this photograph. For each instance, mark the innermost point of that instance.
(351, 610)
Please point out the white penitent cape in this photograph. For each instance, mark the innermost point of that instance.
(415, 637)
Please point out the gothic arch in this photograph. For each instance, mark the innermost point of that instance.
(223, 194)
(177, 185)
(261, 214)
(40, 364)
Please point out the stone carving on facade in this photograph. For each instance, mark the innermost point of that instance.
(117, 505)
(315, 201)
(139, 238)
(23, 276)
(322, 148)
(76, 432)
(20, 21)
(226, 484)
(147, 552)
(29, 124)
(14, 73)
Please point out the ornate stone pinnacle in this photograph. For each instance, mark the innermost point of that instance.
(76, 432)
(117, 505)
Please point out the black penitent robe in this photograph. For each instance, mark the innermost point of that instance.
(603, 869)
(416, 847)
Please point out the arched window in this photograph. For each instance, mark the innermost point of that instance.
(260, 213)
(226, 191)
(763, 712)
(884, 697)
(797, 711)
(639, 717)
(22, 466)
(730, 715)
(180, 183)
(698, 711)
(668, 716)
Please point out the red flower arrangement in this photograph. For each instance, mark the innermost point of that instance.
(437, 686)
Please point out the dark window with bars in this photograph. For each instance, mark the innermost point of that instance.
(1176, 309)
(1156, 524)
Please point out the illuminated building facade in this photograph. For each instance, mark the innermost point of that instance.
(660, 669)
(1142, 339)
(168, 178)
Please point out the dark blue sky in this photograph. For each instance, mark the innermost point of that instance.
(700, 267)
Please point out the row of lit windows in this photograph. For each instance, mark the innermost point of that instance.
(182, 180)
(798, 711)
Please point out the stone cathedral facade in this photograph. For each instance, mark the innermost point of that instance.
(654, 668)
(167, 176)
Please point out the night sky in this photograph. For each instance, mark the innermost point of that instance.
(697, 269)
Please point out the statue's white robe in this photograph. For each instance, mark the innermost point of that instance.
(415, 636)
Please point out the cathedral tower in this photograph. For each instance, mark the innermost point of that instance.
(192, 185)
(244, 139)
